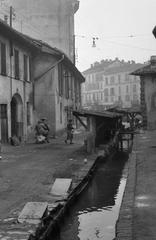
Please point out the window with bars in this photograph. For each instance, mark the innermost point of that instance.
(3, 58)
(16, 62)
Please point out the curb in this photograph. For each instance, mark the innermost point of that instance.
(124, 224)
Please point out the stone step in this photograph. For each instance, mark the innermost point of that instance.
(61, 187)
(33, 212)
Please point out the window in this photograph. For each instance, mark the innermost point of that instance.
(60, 79)
(119, 98)
(119, 90)
(3, 111)
(25, 60)
(127, 98)
(3, 59)
(134, 88)
(112, 93)
(106, 91)
(127, 89)
(16, 61)
(106, 99)
(112, 80)
(112, 99)
(127, 77)
(106, 81)
(28, 114)
(119, 78)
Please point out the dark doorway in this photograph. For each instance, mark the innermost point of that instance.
(17, 116)
(3, 123)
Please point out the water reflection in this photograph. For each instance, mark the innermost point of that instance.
(96, 211)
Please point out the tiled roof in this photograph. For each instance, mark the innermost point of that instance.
(113, 67)
(123, 68)
(147, 70)
(11, 33)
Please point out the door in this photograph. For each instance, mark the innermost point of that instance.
(3, 123)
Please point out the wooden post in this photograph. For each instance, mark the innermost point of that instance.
(0, 149)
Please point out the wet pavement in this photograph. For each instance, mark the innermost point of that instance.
(137, 219)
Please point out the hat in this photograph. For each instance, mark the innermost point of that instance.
(44, 118)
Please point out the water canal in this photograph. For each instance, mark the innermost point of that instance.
(94, 215)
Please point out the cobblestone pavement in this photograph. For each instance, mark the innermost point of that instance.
(137, 218)
(27, 172)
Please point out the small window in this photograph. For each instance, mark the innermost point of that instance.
(127, 89)
(127, 98)
(16, 59)
(112, 93)
(106, 99)
(3, 59)
(134, 88)
(106, 81)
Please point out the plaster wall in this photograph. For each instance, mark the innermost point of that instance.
(51, 21)
(10, 86)
(150, 99)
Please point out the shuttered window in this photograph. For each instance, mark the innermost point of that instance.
(16, 61)
(25, 60)
(3, 59)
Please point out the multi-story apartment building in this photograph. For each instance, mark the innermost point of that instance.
(110, 84)
(36, 80)
(16, 87)
(50, 20)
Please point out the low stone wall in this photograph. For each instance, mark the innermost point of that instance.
(125, 220)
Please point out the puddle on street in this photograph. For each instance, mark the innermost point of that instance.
(93, 216)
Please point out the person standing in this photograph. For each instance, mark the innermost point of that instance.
(70, 130)
(45, 128)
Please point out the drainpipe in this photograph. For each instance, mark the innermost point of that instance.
(11, 72)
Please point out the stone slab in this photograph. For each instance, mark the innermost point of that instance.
(33, 212)
(61, 187)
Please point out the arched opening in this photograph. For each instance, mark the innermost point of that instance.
(17, 116)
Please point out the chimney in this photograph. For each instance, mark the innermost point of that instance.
(153, 61)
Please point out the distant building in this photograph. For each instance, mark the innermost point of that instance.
(147, 75)
(50, 20)
(109, 84)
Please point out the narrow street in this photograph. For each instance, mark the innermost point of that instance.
(27, 172)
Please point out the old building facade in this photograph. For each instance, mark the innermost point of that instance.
(53, 20)
(147, 75)
(15, 84)
(57, 88)
(36, 81)
(109, 84)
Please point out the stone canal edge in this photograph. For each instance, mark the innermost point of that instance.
(124, 224)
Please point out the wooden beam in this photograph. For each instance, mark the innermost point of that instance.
(80, 120)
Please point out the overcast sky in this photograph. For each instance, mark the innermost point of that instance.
(123, 28)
